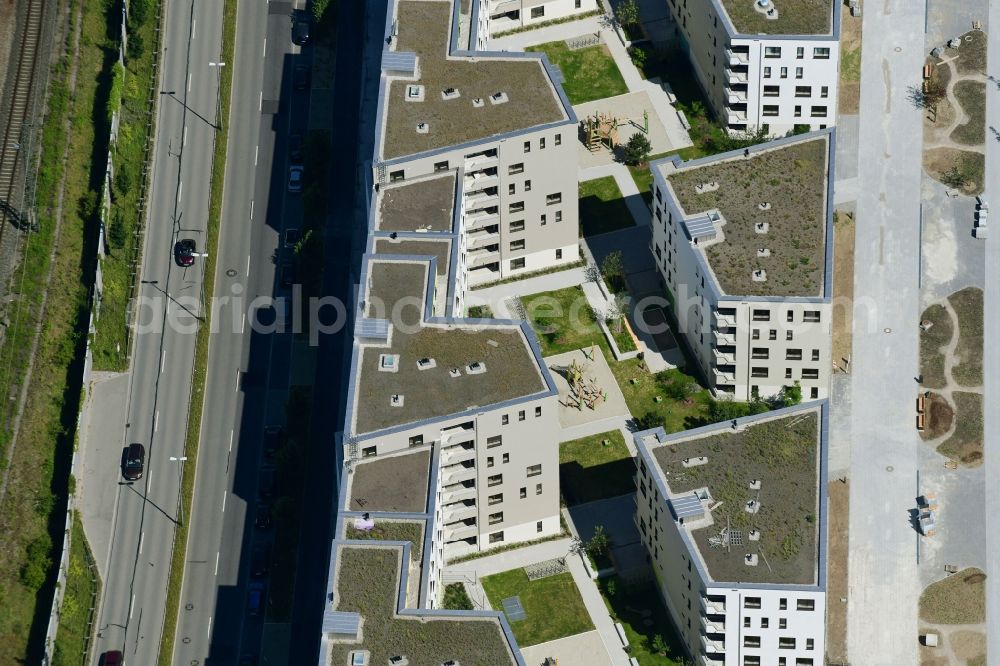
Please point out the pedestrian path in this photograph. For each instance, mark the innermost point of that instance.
(497, 297)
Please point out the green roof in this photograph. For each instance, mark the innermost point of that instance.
(795, 17)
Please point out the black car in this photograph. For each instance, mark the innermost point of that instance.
(300, 32)
(272, 440)
(133, 461)
(300, 77)
(262, 521)
(255, 599)
(260, 564)
(184, 251)
(295, 148)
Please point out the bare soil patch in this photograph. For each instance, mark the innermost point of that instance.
(966, 443)
(968, 305)
(940, 416)
(850, 61)
(967, 645)
(838, 499)
(936, 335)
(957, 599)
(939, 161)
(843, 287)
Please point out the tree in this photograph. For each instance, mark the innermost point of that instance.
(637, 149)
(638, 55)
(926, 96)
(599, 543)
(648, 421)
(790, 395)
(627, 12)
(613, 269)
(658, 645)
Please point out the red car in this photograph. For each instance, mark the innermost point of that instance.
(184, 251)
(112, 658)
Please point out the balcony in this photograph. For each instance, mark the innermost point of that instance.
(735, 96)
(713, 625)
(737, 57)
(458, 474)
(712, 646)
(737, 76)
(713, 606)
(737, 117)
(481, 161)
(480, 219)
(724, 357)
(456, 455)
(482, 238)
(457, 512)
(483, 256)
(724, 378)
(481, 200)
(458, 494)
(480, 181)
(460, 531)
(723, 320)
(503, 6)
(453, 551)
(724, 338)
(715, 660)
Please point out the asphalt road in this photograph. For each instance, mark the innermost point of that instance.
(146, 512)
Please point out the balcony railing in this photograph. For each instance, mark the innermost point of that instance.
(724, 358)
(713, 625)
(724, 337)
(711, 646)
(482, 238)
(713, 606)
(736, 117)
(481, 200)
(478, 162)
(723, 320)
(480, 181)
(482, 257)
(480, 219)
(459, 531)
(456, 455)
(458, 474)
(737, 76)
(458, 494)
(737, 57)
(736, 96)
(457, 512)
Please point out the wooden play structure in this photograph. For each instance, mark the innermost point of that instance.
(601, 129)
(584, 390)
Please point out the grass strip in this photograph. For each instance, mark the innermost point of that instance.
(553, 606)
(79, 601)
(200, 370)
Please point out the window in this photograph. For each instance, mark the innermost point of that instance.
(811, 316)
(813, 392)
(558, 140)
(815, 354)
(789, 316)
(494, 480)
(817, 111)
(793, 354)
(788, 335)
(441, 166)
(558, 216)
(763, 623)
(803, 91)
(800, 53)
(784, 72)
(770, 110)
(788, 373)
(541, 143)
(798, 72)
(751, 641)
(368, 451)
(824, 91)
(538, 489)
(527, 186)
(809, 644)
(759, 352)
(496, 537)
(758, 372)
(515, 168)
(782, 604)
(772, 91)
(536, 13)
(512, 189)
(517, 245)
(805, 604)
(767, 72)
(751, 660)
(533, 470)
(782, 623)
(751, 602)
(489, 461)
(495, 440)
(772, 334)
(798, 111)
(496, 518)
(396, 175)
(538, 524)
(416, 440)
(517, 225)
(524, 493)
(542, 219)
(505, 419)
(803, 661)
(772, 51)
(762, 315)
(516, 264)
(821, 53)
(553, 199)
(527, 146)
(786, 643)
(520, 415)
(755, 335)
(558, 254)
(505, 458)
(746, 622)
(495, 499)
(538, 411)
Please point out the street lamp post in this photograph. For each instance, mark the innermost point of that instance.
(180, 503)
(218, 93)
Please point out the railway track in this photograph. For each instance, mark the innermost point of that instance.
(10, 149)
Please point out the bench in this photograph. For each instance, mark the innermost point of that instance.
(921, 404)
(921, 418)
(928, 69)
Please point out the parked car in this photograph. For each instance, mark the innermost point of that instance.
(295, 148)
(184, 251)
(262, 521)
(292, 237)
(111, 658)
(295, 179)
(300, 32)
(300, 77)
(255, 599)
(133, 461)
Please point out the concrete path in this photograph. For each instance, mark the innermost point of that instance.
(613, 407)
(586, 649)
(497, 297)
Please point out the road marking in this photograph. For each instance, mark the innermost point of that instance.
(260, 102)
(216, 573)
(180, 190)
(209, 626)
(131, 607)
(248, 265)
(251, 209)
(194, 24)
(225, 493)
(185, 139)
(142, 537)
(230, 440)
(264, 54)
(256, 149)
(243, 328)
(156, 420)
(189, 81)
(163, 357)
(237, 380)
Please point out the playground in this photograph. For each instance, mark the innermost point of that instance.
(607, 124)
(588, 391)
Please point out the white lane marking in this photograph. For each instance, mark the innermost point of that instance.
(248, 265)
(189, 81)
(185, 139)
(237, 380)
(256, 149)
(142, 538)
(264, 54)
(230, 440)
(163, 358)
(209, 626)
(251, 209)
(156, 420)
(216, 568)
(260, 102)
(243, 328)
(131, 607)
(194, 24)
(149, 487)
(180, 190)
(225, 493)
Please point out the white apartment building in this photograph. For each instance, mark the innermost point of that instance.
(764, 62)
(499, 122)
(734, 519)
(503, 15)
(743, 242)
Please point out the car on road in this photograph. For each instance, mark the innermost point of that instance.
(260, 564)
(272, 440)
(133, 461)
(300, 77)
(255, 599)
(262, 520)
(292, 237)
(295, 148)
(111, 658)
(300, 32)
(184, 251)
(295, 179)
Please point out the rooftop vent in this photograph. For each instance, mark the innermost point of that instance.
(492, 343)
(450, 93)
(454, 372)
(396, 400)
(359, 658)
(423, 128)
(499, 98)
(414, 93)
(750, 560)
(426, 363)
(761, 227)
(399, 660)
(760, 275)
(764, 205)
(694, 462)
(450, 662)
(763, 252)
(752, 506)
(755, 484)
(476, 368)
(478, 102)
(754, 535)
(388, 362)
(702, 188)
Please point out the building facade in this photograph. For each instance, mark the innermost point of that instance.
(750, 282)
(754, 72)
(504, 15)
(773, 611)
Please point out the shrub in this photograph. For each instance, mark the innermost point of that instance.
(139, 11)
(599, 543)
(637, 149)
(648, 421)
(627, 12)
(638, 56)
(39, 561)
(613, 271)
(456, 598)
(480, 312)
(115, 93)
(116, 231)
(135, 47)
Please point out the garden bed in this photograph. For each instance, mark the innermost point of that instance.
(932, 339)
(968, 306)
(553, 606)
(962, 169)
(966, 443)
(640, 610)
(589, 73)
(940, 416)
(971, 96)
(958, 599)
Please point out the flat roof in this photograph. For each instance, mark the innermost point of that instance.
(503, 364)
(368, 580)
(773, 207)
(391, 483)
(424, 27)
(793, 17)
(418, 205)
(439, 248)
(772, 462)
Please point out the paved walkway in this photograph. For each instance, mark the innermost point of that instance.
(613, 407)
(497, 297)
(472, 571)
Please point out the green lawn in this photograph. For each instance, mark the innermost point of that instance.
(563, 320)
(931, 341)
(590, 73)
(553, 605)
(971, 95)
(958, 599)
(82, 588)
(602, 207)
(623, 339)
(968, 305)
(626, 603)
(595, 467)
